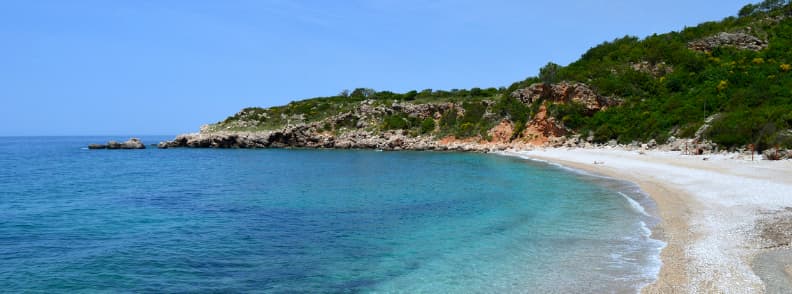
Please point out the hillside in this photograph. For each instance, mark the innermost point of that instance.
(727, 83)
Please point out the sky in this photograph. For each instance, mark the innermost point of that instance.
(165, 67)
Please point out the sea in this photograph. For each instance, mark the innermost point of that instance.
(312, 221)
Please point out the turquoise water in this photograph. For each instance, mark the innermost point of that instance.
(311, 221)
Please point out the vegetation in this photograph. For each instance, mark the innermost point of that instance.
(667, 89)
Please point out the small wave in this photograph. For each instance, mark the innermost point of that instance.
(634, 204)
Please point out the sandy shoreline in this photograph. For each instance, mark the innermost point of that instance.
(715, 213)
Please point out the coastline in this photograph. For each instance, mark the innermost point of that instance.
(720, 214)
(710, 217)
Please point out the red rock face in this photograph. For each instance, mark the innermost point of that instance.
(502, 132)
(542, 128)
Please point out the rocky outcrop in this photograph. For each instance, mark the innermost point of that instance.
(565, 92)
(654, 69)
(132, 143)
(699, 135)
(740, 41)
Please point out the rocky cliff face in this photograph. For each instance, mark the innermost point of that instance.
(565, 92)
(542, 129)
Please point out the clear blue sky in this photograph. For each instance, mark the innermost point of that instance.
(166, 67)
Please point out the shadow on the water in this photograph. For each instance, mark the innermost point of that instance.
(771, 268)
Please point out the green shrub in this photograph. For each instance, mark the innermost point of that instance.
(396, 122)
(427, 126)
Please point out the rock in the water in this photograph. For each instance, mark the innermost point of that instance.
(133, 143)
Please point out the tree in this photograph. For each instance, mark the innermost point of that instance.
(363, 93)
(549, 73)
(747, 10)
(768, 5)
(409, 96)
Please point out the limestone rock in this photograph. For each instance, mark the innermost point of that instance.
(740, 41)
(565, 92)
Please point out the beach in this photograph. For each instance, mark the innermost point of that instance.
(720, 214)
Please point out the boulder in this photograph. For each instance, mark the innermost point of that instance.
(775, 154)
(133, 143)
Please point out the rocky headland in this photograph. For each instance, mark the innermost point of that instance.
(361, 128)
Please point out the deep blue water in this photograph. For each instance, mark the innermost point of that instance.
(311, 221)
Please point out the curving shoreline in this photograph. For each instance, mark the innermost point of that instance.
(713, 208)
(711, 219)
(640, 202)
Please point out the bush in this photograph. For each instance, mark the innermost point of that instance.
(396, 122)
(427, 126)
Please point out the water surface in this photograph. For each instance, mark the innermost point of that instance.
(311, 221)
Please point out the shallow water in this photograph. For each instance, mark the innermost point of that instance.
(312, 221)
(769, 266)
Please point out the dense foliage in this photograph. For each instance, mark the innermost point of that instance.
(751, 90)
(667, 89)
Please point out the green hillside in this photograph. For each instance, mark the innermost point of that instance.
(668, 84)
